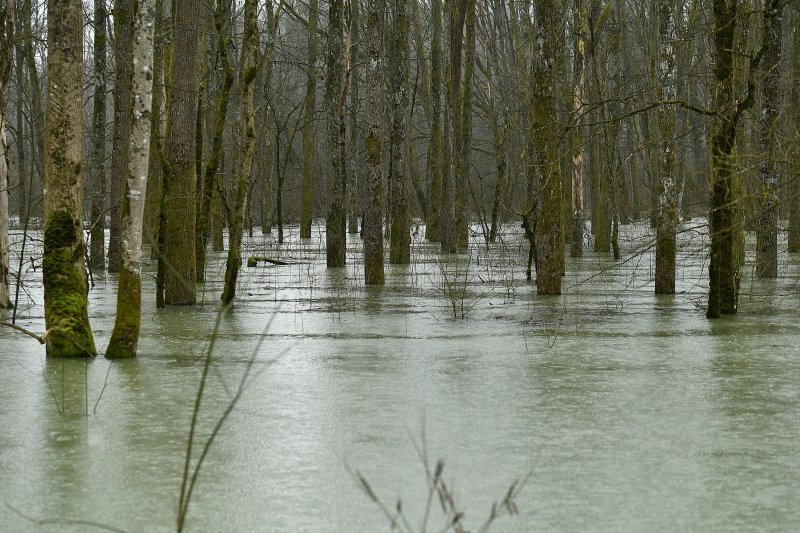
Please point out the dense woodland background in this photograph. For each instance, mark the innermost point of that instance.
(388, 117)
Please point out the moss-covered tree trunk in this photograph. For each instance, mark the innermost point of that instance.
(768, 134)
(667, 216)
(68, 332)
(373, 208)
(435, 155)
(97, 168)
(125, 336)
(181, 179)
(335, 219)
(400, 244)
(307, 190)
(247, 77)
(794, 181)
(123, 63)
(549, 238)
(218, 132)
(464, 133)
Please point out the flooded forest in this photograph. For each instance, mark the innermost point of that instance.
(399, 265)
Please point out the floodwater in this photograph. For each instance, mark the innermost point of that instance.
(622, 411)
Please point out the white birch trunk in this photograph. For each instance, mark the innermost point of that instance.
(4, 277)
(126, 326)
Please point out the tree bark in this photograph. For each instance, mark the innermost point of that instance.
(400, 244)
(247, 76)
(464, 132)
(125, 337)
(373, 211)
(435, 156)
(549, 238)
(6, 58)
(726, 259)
(218, 133)
(181, 179)
(68, 332)
(307, 191)
(667, 217)
(794, 181)
(768, 131)
(123, 62)
(335, 219)
(578, 88)
(97, 172)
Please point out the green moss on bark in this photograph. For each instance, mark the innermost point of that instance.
(125, 338)
(66, 311)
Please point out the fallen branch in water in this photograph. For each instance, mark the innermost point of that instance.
(23, 330)
(254, 260)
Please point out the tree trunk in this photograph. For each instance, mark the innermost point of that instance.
(354, 175)
(180, 180)
(97, 172)
(549, 239)
(123, 24)
(579, 83)
(307, 191)
(666, 190)
(373, 212)
(435, 157)
(464, 133)
(400, 247)
(68, 333)
(151, 209)
(449, 231)
(6, 59)
(335, 219)
(247, 78)
(794, 181)
(125, 336)
(768, 131)
(724, 221)
(220, 113)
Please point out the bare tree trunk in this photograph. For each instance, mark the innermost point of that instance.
(400, 247)
(335, 219)
(549, 238)
(123, 20)
(579, 85)
(354, 175)
(724, 221)
(220, 113)
(68, 332)
(307, 191)
(767, 228)
(464, 133)
(180, 180)
(435, 149)
(125, 337)
(449, 231)
(97, 172)
(247, 78)
(794, 182)
(6, 58)
(373, 212)
(667, 217)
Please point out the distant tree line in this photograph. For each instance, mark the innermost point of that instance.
(167, 122)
